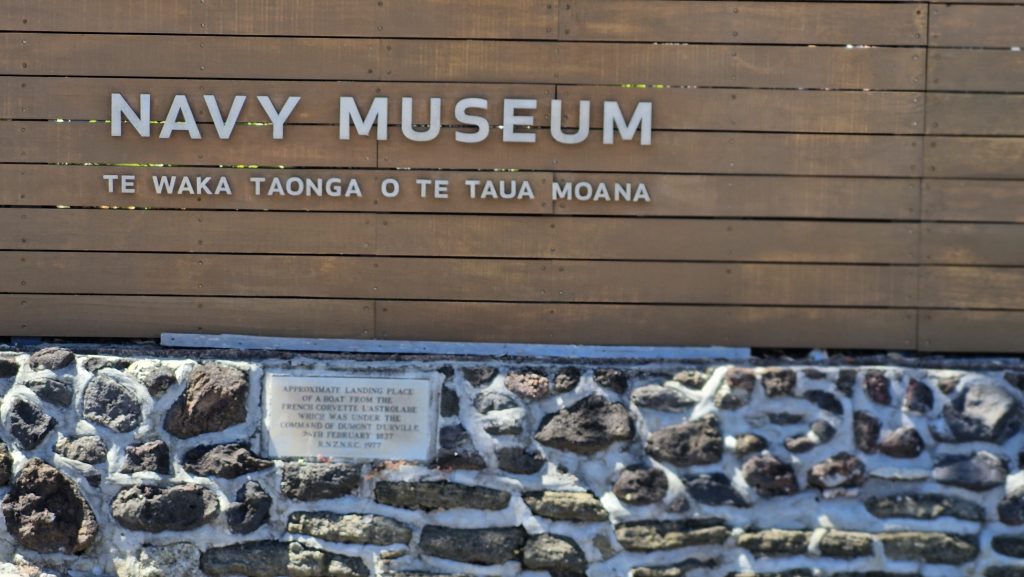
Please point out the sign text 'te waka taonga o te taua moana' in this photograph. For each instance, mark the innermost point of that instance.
(518, 116)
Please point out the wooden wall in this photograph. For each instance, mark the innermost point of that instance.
(824, 174)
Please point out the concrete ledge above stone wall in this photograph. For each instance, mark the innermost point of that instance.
(151, 467)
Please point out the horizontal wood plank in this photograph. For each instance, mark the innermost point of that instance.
(647, 325)
(960, 25)
(464, 279)
(965, 287)
(972, 200)
(974, 157)
(957, 114)
(954, 70)
(972, 244)
(962, 331)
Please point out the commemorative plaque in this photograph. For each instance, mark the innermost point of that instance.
(364, 418)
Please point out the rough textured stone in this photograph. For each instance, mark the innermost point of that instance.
(919, 398)
(566, 506)
(9, 367)
(228, 461)
(97, 364)
(929, 547)
(52, 358)
(277, 559)
(750, 443)
(846, 544)
(983, 412)
(530, 384)
(489, 401)
(508, 422)
(45, 512)
(903, 443)
(613, 379)
(845, 381)
(662, 398)
(478, 546)
(479, 376)
(783, 418)
(556, 553)
(250, 510)
(312, 481)
(779, 382)
(866, 429)
(156, 377)
(839, 471)
(1004, 571)
(774, 542)
(588, 426)
(1011, 508)
(696, 442)
(566, 380)
(876, 386)
(359, 529)
(214, 399)
(693, 379)
(821, 432)
(825, 401)
(519, 461)
(926, 506)
(6, 464)
(111, 404)
(455, 450)
(789, 573)
(29, 424)
(978, 471)
(713, 489)
(449, 402)
(1015, 378)
(432, 495)
(659, 535)
(736, 389)
(177, 560)
(86, 449)
(675, 570)
(769, 476)
(1009, 545)
(55, 391)
(638, 485)
(151, 456)
(156, 509)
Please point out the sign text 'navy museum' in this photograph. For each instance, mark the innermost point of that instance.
(518, 117)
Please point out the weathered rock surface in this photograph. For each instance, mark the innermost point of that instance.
(662, 398)
(866, 430)
(155, 509)
(45, 512)
(87, 449)
(846, 544)
(176, 560)
(156, 377)
(313, 481)
(151, 456)
(277, 559)
(839, 471)
(29, 424)
(778, 383)
(51, 358)
(479, 376)
(919, 398)
(750, 443)
(692, 379)
(692, 443)
(519, 461)
(612, 379)
(478, 546)
(54, 391)
(983, 412)
(504, 423)
(250, 510)
(566, 506)
(449, 402)
(590, 425)
(903, 443)
(6, 464)
(1009, 545)
(924, 506)
(228, 461)
(769, 476)
(675, 570)
(714, 489)
(658, 535)
(1011, 507)
(432, 495)
(929, 547)
(978, 471)
(566, 380)
(214, 399)
(639, 485)
(455, 450)
(773, 542)
(556, 553)
(736, 389)
(530, 384)
(359, 529)
(825, 401)
(111, 404)
(9, 367)
(876, 387)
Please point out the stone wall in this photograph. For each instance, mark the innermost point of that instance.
(152, 468)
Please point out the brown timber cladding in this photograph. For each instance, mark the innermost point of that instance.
(823, 174)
